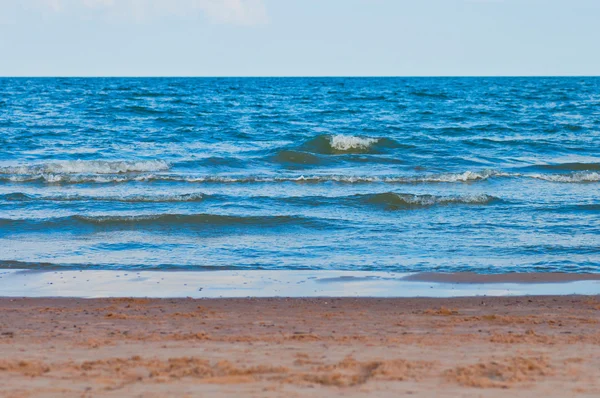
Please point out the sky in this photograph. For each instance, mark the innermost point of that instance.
(299, 37)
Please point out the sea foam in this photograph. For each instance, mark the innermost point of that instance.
(397, 201)
(103, 176)
(577, 177)
(343, 142)
(58, 178)
(87, 167)
(150, 198)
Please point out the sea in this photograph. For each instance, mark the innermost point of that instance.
(488, 175)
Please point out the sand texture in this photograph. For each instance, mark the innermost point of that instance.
(546, 346)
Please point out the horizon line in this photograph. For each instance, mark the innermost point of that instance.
(278, 76)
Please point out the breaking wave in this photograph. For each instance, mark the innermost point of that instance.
(346, 144)
(577, 177)
(465, 177)
(164, 221)
(87, 167)
(188, 197)
(399, 201)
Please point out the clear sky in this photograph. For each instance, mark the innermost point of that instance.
(299, 37)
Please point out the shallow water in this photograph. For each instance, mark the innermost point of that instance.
(379, 174)
(267, 283)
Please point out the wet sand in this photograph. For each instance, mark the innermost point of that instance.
(513, 277)
(297, 283)
(314, 347)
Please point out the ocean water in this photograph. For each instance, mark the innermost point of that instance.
(381, 174)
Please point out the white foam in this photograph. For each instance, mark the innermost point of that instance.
(333, 178)
(186, 197)
(189, 197)
(68, 179)
(461, 177)
(343, 142)
(578, 177)
(86, 167)
(430, 200)
(103, 175)
(467, 176)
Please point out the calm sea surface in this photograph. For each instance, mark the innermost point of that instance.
(390, 174)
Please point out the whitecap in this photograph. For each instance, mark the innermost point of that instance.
(578, 177)
(52, 171)
(343, 142)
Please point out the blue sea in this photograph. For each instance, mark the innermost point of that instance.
(489, 175)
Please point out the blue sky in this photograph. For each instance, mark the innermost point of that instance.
(299, 37)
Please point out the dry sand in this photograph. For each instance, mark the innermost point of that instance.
(545, 346)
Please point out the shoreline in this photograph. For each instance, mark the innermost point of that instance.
(319, 347)
(223, 284)
(530, 277)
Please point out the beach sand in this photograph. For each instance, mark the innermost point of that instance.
(315, 347)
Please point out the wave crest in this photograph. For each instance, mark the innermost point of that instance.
(87, 167)
(16, 197)
(573, 178)
(399, 201)
(166, 221)
(347, 144)
(464, 177)
(188, 197)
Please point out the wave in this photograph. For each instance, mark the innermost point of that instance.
(428, 94)
(216, 161)
(297, 157)
(567, 167)
(143, 110)
(467, 176)
(46, 266)
(464, 177)
(573, 178)
(345, 144)
(588, 207)
(51, 178)
(400, 201)
(389, 198)
(14, 264)
(87, 167)
(209, 219)
(16, 197)
(164, 221)
(22, 197)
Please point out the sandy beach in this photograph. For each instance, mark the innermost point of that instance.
(315, 347)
